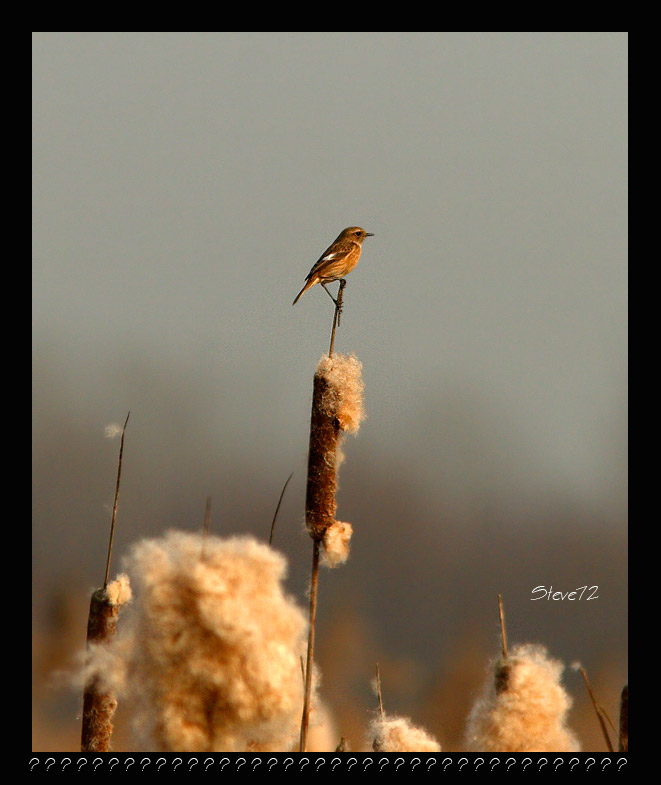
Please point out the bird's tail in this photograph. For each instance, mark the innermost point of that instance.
(308, 284)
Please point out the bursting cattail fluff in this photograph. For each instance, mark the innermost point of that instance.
(523, 707)
(208, 658)
(399, 734)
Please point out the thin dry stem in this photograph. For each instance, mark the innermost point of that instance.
(337, 314)
(314, 584)
(114, 506)
(597, 711)
(378, 692)
(503, 634)
(277, 509)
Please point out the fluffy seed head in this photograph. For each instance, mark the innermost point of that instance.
(523, 707)
(208, 656)
(399, 734)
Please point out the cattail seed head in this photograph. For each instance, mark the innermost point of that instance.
(208, 656)
(399, 734)
(523, 707)
(337, 407)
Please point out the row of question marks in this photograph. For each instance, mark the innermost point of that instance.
(334, 763)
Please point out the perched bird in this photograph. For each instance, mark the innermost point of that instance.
(337, 260)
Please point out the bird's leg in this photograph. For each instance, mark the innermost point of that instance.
(328, 293)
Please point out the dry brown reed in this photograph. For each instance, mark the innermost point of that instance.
(598, 710)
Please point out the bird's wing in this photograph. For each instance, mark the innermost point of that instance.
(332, 252)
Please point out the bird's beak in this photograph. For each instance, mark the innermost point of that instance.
(369, 234)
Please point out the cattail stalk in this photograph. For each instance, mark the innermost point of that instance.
(337, 407)
(314, 585)
(320, 509)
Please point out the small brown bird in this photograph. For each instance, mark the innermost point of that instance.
(337, 260)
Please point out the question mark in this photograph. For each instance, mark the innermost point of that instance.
(224, 761)
(36, 760)
(145, 762)
(383, 762)
(116, 761)
(366, 763)
(528, 763)
(494, 762)
(351, 761)
(511, 764)
(192, 762)
(558, 762)
(158, 768)
(478, 763)
(275, 760)
(398, 764)
(430, 763)
(605, 763)
(81, 763)
(291, 760)
(98, 762)
(65, 763)
(49, 764)
(208, 763)
(592, 760)
(571, 768)
(449, 761)
(238, 765)
(415, 762)
(320, 762)
(621, 762)
(255, 763)
(541, 762)
(462, 764)
(303, 763)
(129, 762)
(339, 760)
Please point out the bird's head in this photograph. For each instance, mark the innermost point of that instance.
(355, 233)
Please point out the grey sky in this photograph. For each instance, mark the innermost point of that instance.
(184, 183)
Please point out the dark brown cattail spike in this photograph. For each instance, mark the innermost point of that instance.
(320, 503)
(98, 705)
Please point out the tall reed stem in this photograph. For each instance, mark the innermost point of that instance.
(314, 585)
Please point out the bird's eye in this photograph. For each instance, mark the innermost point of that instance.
(358, 233)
